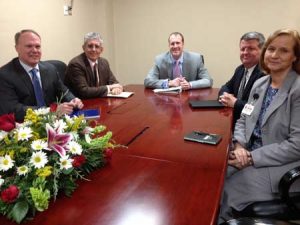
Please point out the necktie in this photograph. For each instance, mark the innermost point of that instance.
(96, 75)
(176, 69)
(242, 85)
(37, 89)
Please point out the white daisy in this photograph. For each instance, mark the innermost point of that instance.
(6, 163)
(74, 148)
(65, 162)
(3, 134)
(42, 111)
(22, 170)
(38, 159)
(24, 133)
(39, 145)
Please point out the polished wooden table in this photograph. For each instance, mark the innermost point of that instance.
(159, 179)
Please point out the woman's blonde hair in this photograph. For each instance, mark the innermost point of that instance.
(289, 32)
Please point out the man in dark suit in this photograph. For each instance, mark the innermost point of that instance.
(88, 75)
(178, 68)
(235, 92)
(26, 82)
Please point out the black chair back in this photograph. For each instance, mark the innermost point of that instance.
(60, 66)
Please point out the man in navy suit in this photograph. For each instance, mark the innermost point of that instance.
(19, 84)
(178, 68)
(235, 92)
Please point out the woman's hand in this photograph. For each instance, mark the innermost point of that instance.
(240, 157)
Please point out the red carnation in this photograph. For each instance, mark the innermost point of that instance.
(92, 123)
(53, 107)
(108, 154)
(7, 122)
(10, 194)
(78, 160)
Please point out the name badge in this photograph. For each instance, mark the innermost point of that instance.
(248, 109)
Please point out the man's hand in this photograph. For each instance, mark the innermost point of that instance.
(77, 103)
(227, 99)
(175, 83)
(64, 108)
(180, 81)
(116, 89)
(185, 84)
(68, 107)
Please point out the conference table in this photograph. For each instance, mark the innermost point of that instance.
(156, 177)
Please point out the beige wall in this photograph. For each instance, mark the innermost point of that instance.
(135, 31)
(62, 36)
(212, 27)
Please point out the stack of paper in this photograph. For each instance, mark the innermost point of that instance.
(172, 90)
(124, 94)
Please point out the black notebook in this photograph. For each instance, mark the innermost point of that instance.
(202, 137)
(205, 104)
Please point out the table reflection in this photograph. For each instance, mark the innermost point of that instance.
(170, 105)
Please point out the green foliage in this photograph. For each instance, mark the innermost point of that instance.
(38, 184)
(19, 211)
(40, 198)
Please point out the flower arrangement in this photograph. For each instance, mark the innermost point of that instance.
(45, 155)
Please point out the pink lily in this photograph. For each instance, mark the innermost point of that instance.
(57, 141)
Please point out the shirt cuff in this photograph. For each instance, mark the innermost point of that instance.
(165, 84)
(108, 89)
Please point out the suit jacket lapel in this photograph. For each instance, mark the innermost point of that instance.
(90, 75)
(44, 76)
(170, 65)
(185, 66)
(281, 95)
(256, 111)
(24, 77)
(252, 78)
(100, 69)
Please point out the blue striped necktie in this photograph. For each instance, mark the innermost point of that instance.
(37, 89)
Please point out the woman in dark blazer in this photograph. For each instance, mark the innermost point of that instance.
(267, 136)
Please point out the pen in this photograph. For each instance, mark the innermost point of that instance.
(200, 133)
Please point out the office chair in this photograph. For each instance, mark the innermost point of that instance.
(60, 66)
(273, 212)
(256, 221)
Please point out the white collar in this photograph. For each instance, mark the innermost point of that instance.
(28, 68)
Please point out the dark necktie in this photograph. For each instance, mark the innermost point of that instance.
(242, 85)
(37, 89)
(96, 76)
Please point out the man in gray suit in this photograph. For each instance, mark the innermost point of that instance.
(178, 68)
(26, 82)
